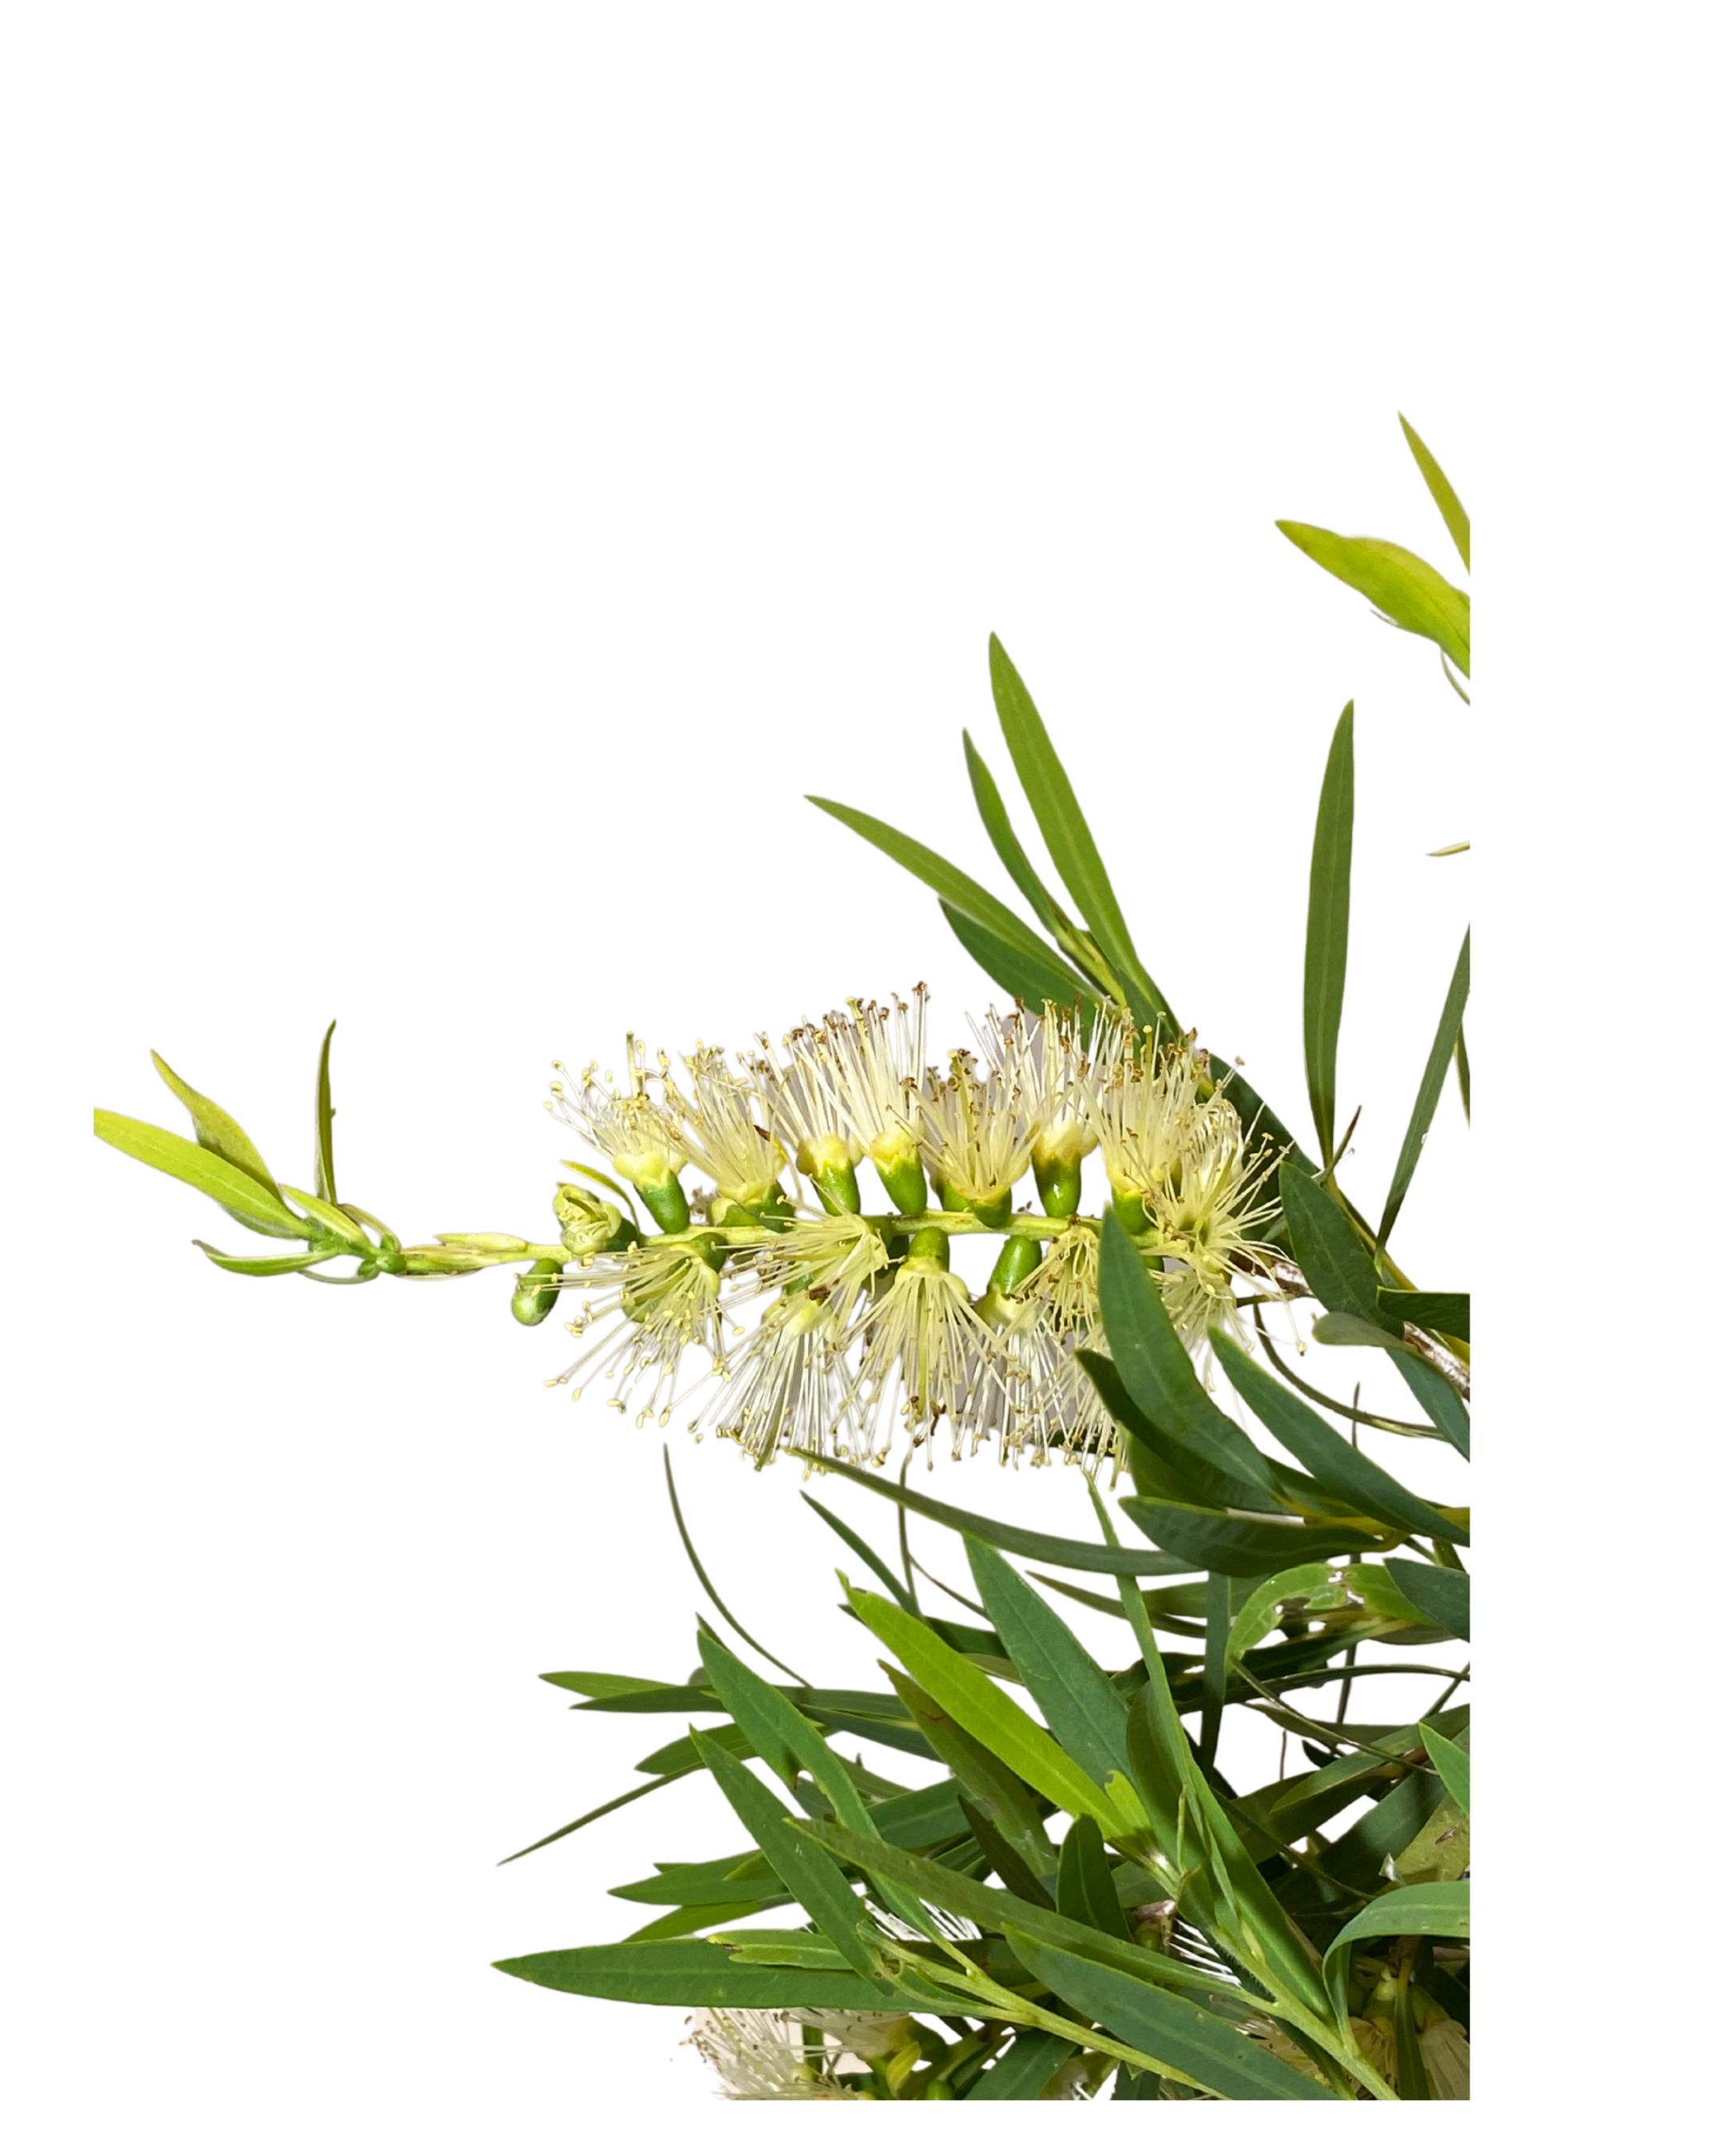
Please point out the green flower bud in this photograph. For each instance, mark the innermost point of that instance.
(532, 1305)
(1058, 1185)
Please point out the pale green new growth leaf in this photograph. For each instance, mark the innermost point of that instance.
(1442, 493)
(324, 1174)
(257, 1205)
(1409, 590)
(217, 1130)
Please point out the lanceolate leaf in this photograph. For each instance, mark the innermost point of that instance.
(808, 1874)
(1038, 977)
(1157, 1372)
(1411, 592)
(1068, 838)
(1246, 1549)
(1437, 1593)
(1216, 2055)
(1036, 2057)
(977, 1702)
(1004, 840)
(1439, 1910)
(325, 1176)
(256, 1206)
(1020, 1542)
(1338, 1267)
(1327, 932)
(1431, 1084)
(1085, 1889)
(217, 1130)
(1443, 494)
(952, 884)
(1436, 1313)
(1454, 1768)
(1341, 1468)
(692, 1973)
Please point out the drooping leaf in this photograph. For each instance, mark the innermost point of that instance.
(1431, 1084)
(699, 1572)
(1439, 1909)
(995, 1792)
(848, 1535)
(1327, 932)
(263, 1268)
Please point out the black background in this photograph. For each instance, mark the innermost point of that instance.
(479, 707)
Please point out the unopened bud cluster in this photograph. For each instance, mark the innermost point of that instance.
(827, 1318)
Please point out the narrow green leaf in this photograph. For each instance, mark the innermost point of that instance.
(686, 1923)
(853, 1541)
(1327, 932)
(651, 1699)
(1020, 1542)
(1157, 1372)
(217, 1130)
(1008, 1866)
(700, 1570)
(1464, 1077)
(1440, 1401)
(1218, 1610)
(690, 1972)
(1436, 1592)
(1431, 1084)
(325, 1174)
(257, 1205)
(602, 1684)
(809, 1875)
(1402, 587)
(1447, 1314)
(598, 1812)
(952, 883)
(264, 1268)
(1038, 979)
(1036, 2057)
(1341, 1328)
(1084, 1889)
(1454, 1768)
(1245, 1549)
(710, 1879)
(1067, 836)
(980, 1706)
(1171, 2030)
(997, 1794)
(1079, 1703)
(1004, 840)
(993, 1909)
(1338, 1266)
(680, 1756)
(1439, 1910)
(1341, 1468)
(1442, 493)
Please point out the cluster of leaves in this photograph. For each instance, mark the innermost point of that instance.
(1087, 1886)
